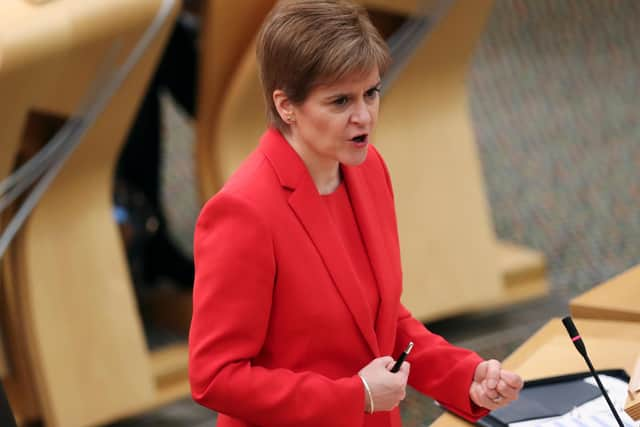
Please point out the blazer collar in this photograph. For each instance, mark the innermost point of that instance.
(311, 212)
(287, 164)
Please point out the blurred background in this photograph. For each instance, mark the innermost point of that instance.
(552, 96)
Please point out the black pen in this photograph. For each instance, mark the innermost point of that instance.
(403, 356)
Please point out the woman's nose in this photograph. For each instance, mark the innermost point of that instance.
(361, 114)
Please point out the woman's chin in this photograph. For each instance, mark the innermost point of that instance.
(356, 157)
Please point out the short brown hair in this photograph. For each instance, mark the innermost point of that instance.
(304, 43)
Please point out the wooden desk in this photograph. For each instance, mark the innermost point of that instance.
(615, 299)
(77, 351)
(611, 345)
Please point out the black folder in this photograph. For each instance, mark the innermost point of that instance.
(549, 397)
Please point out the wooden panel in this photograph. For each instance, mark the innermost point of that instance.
(68, 277)
(632, 406)
(170, 363)
(611, 345)
(228, 30)
(170, 370)
(19, 382)
(524, 273)
(23, 56)
(3, 358)
(242, 118)
(450, 258)
(616, 299)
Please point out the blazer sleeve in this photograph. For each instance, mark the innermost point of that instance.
(438, 368)
(235, 273)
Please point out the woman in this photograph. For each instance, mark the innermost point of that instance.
(297, 312)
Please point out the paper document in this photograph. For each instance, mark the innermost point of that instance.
(595, 413)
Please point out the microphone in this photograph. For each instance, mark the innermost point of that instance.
(577, 341)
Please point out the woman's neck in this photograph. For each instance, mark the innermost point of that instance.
(328, 186)
(324, 172)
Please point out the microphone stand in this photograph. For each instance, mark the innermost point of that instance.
(577, 341)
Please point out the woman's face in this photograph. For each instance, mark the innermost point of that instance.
(334, 124)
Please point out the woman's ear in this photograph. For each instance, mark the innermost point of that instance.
(284, 106)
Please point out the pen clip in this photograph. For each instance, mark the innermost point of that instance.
(409, 347)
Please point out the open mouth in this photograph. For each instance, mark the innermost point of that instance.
(360, 138)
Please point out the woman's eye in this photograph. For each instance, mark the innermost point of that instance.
(341, 101)
(371, 93)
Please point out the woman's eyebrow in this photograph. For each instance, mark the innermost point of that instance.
(339, 94)
(336, 95)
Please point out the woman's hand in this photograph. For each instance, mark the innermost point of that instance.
(387, 389)
(494, 387)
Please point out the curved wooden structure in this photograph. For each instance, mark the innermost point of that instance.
(77, 352)
(227, 33)
(615, 299)
(452, 261)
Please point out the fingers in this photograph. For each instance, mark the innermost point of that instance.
(390, 365)
(509, 385)
(384, 361)
(494, 387)
(506, 392)
(493, 373)
(511, 379)
(491, 394)
(479, 396)
(403, 373)
(405, 368)
(387, 389)
(487, 375)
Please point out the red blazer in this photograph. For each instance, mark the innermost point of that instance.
(279, 331)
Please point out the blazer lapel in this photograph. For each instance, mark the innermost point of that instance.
(367, 200)
(312, 214)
